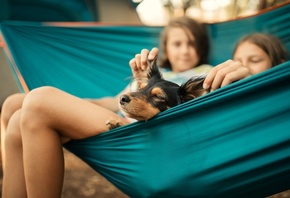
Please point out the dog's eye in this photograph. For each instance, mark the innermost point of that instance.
(158, 94)
(158, 97)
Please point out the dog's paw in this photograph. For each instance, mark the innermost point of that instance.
(112, 124)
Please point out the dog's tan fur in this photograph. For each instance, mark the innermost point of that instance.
(155, 95)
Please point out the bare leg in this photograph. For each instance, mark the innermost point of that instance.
(13, 180)
(47, 116)
(10, 105)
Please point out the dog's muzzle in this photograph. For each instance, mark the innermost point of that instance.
(124, 99)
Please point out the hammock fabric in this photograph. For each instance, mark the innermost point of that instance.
(233, 142)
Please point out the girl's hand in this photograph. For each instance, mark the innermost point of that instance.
(139, 63)
(224, 74)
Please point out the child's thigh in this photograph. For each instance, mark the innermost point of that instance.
(71, 116)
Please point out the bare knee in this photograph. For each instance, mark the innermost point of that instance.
(35, 107)
(13, 134)
(11, 104)
(38, 98)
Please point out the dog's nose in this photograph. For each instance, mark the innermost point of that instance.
(124, 99)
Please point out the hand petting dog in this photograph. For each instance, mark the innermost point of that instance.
(220, 76)
(139, 63)
(154, 94)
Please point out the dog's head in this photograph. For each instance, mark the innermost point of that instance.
(156, 94)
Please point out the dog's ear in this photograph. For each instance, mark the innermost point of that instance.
(192, 89)
(151, 71)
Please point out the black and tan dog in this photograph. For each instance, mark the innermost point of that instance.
(155, 95)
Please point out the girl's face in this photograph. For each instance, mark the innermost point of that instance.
(180, 50)
(252, 57)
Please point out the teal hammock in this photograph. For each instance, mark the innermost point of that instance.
(233, 142)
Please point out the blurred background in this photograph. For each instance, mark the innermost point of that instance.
(209, 11)
(148, 12)
(81, 180)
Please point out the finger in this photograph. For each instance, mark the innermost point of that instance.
(212, 74)
(233, 72)
(153, 53)
(138, 61)
(143, 61)
(225, 74)
(209, 78)
(217, 81)
(132, 63)
(133, 66)
(238, 74)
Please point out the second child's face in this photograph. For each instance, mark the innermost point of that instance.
(181, 50)
(252, 57)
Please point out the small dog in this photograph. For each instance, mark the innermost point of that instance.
(155, 95)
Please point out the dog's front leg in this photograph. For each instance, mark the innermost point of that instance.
(112, 124)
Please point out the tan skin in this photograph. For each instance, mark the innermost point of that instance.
(46, 125)
(180, 50)
(37, 131)
(248, 59)
(181, 53)
(253, 57)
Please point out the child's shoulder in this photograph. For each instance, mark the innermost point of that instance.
(205, 68)
(198, 71)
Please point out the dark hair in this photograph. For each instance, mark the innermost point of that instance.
(270, 44)
(198, 30)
